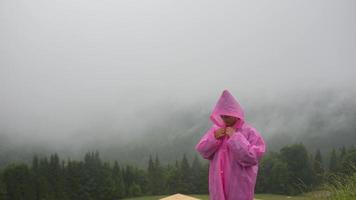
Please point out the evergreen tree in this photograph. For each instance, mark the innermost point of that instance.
(2, 187)
(348, 165)
(155, 176)
(159, 179)
(172, 178)
(333, 164)
(119, 186)
(106, 182)
(96, 182)
(18, 182)
(128, 176)
(55, 177)
(342, 152)
(73, 180)
(151, 175)
(36, 177)
(44, 186)
(135, 189)
(199, 179)
(318, 167)
(185, 176)
(142, 181)
(273, 175)
(302, 175)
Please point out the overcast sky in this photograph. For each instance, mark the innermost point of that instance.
(70, 66)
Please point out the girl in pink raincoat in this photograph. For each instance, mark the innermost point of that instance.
(234, 149)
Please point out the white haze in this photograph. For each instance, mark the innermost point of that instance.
(104, 72)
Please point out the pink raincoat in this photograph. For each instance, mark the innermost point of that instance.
(233, 160)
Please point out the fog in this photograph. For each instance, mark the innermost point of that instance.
(78, 75)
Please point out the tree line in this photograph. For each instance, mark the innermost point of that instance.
(52, 179)
(290, 171)
(293, 170)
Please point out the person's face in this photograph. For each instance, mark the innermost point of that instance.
(229, 120)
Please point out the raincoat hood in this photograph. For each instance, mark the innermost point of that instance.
(227, 105)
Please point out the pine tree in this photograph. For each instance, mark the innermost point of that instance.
(172, 178)
(105, 182)
(158, 179)
(318, 167)
(198, 178)
(151, 175)
(333, 164)
(44, 185)
(342, 152)
(119, 186)
(301, 171)
(36, 176)
(18, 182)
(135, 189)
(128, 176)
(341, 159)
(73, 180)
(348, 163)
(2, 187)
(185, 178)
(273, 175)
(55, 177)
(142, 181)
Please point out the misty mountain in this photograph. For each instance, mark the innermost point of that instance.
(324, 120)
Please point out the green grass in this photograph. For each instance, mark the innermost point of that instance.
(341, 188)
(146, 198)
(257, 196)
(281, 197)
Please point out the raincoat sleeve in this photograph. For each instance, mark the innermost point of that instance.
(208, 144)
(247, 152)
